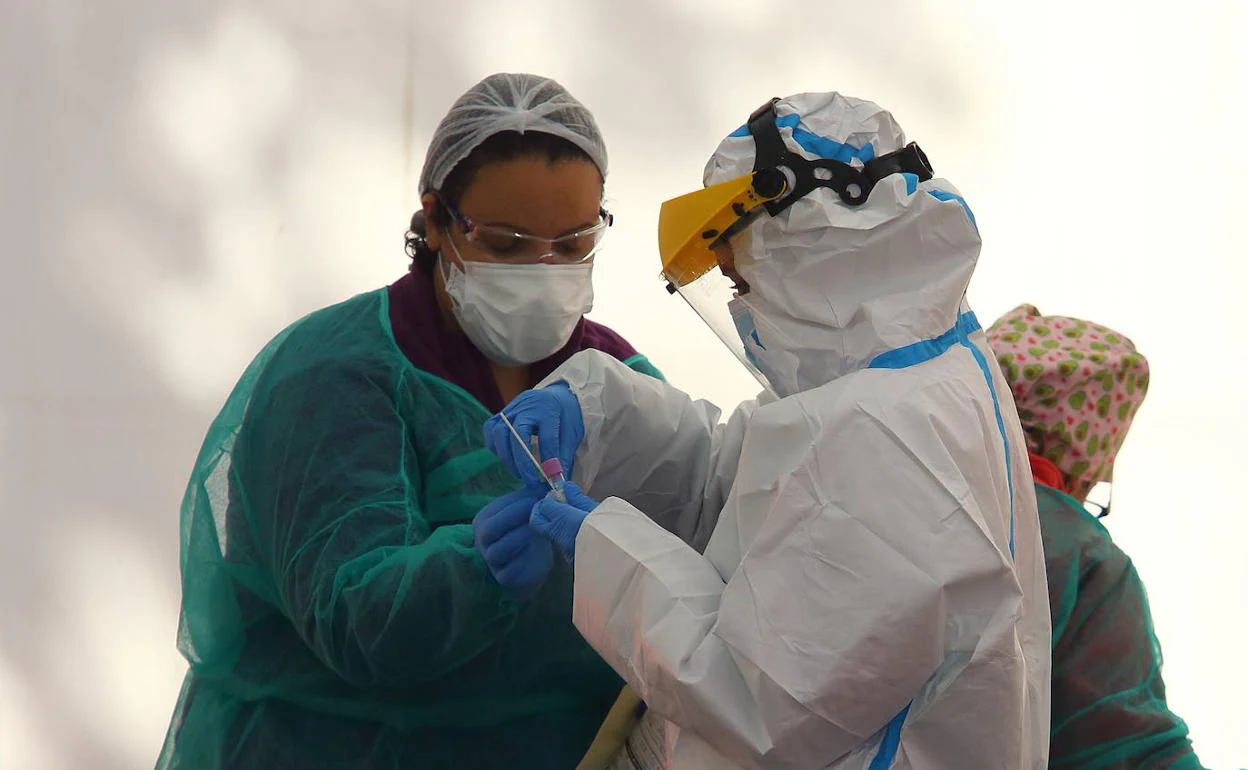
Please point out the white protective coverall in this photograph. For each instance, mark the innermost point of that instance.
(849, 573)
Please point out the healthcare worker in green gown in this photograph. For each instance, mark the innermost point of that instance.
(337, 609)
(1078, 386)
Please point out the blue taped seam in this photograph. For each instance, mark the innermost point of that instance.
(945, 195)
(891, 742)
(926, 350)
(819, 146)
(996, 406)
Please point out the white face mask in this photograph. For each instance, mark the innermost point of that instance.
(518, 314)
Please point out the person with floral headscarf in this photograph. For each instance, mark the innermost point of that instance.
(1078, 386)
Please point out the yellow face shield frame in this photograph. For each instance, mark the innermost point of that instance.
(693, 224)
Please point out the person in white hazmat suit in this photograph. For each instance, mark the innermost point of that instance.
(848, 572)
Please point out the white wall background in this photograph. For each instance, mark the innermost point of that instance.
(179, 180)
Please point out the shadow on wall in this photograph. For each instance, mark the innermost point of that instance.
(129, 142)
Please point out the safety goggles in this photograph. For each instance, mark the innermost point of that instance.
(507, 245)
(691, 226)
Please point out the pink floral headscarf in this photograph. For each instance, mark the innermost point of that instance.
(1077, 384)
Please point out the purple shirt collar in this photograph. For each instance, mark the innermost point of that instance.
(433, 347)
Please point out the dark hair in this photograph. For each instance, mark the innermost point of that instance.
(503, 146)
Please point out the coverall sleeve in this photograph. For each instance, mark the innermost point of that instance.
(653, 445)
(332, 499)
(1109, 699)
(869, 566)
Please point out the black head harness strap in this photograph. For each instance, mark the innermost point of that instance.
(776, 165)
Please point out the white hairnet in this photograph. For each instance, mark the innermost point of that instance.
(509, 102)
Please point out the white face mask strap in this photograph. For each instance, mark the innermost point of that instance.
(443, 261)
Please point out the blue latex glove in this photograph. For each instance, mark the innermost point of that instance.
(553, 415)
(561, 522)
(518, 559)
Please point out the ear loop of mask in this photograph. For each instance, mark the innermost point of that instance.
(446, 268)
(1096, 509)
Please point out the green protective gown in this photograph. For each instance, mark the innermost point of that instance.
(335, 612)
(1109, 700)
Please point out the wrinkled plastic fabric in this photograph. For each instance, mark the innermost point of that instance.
(829, 126)
(858, 580)
(509, 102)
(833, 285)
(1109, 700)
(859, 564)
(335, 612)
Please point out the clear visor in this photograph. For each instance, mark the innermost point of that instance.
(692, 230)
(712, 297)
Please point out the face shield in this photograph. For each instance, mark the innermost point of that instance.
(698, 263)
(697, 231)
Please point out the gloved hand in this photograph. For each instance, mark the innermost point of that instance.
(561, 522)
(552, 414)
(518, 559)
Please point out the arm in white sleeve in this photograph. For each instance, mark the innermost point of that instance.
(873, 569)
(651, 444)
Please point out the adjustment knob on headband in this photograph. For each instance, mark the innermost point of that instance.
(770, 183)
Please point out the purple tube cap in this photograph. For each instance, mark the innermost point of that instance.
(552, 467)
